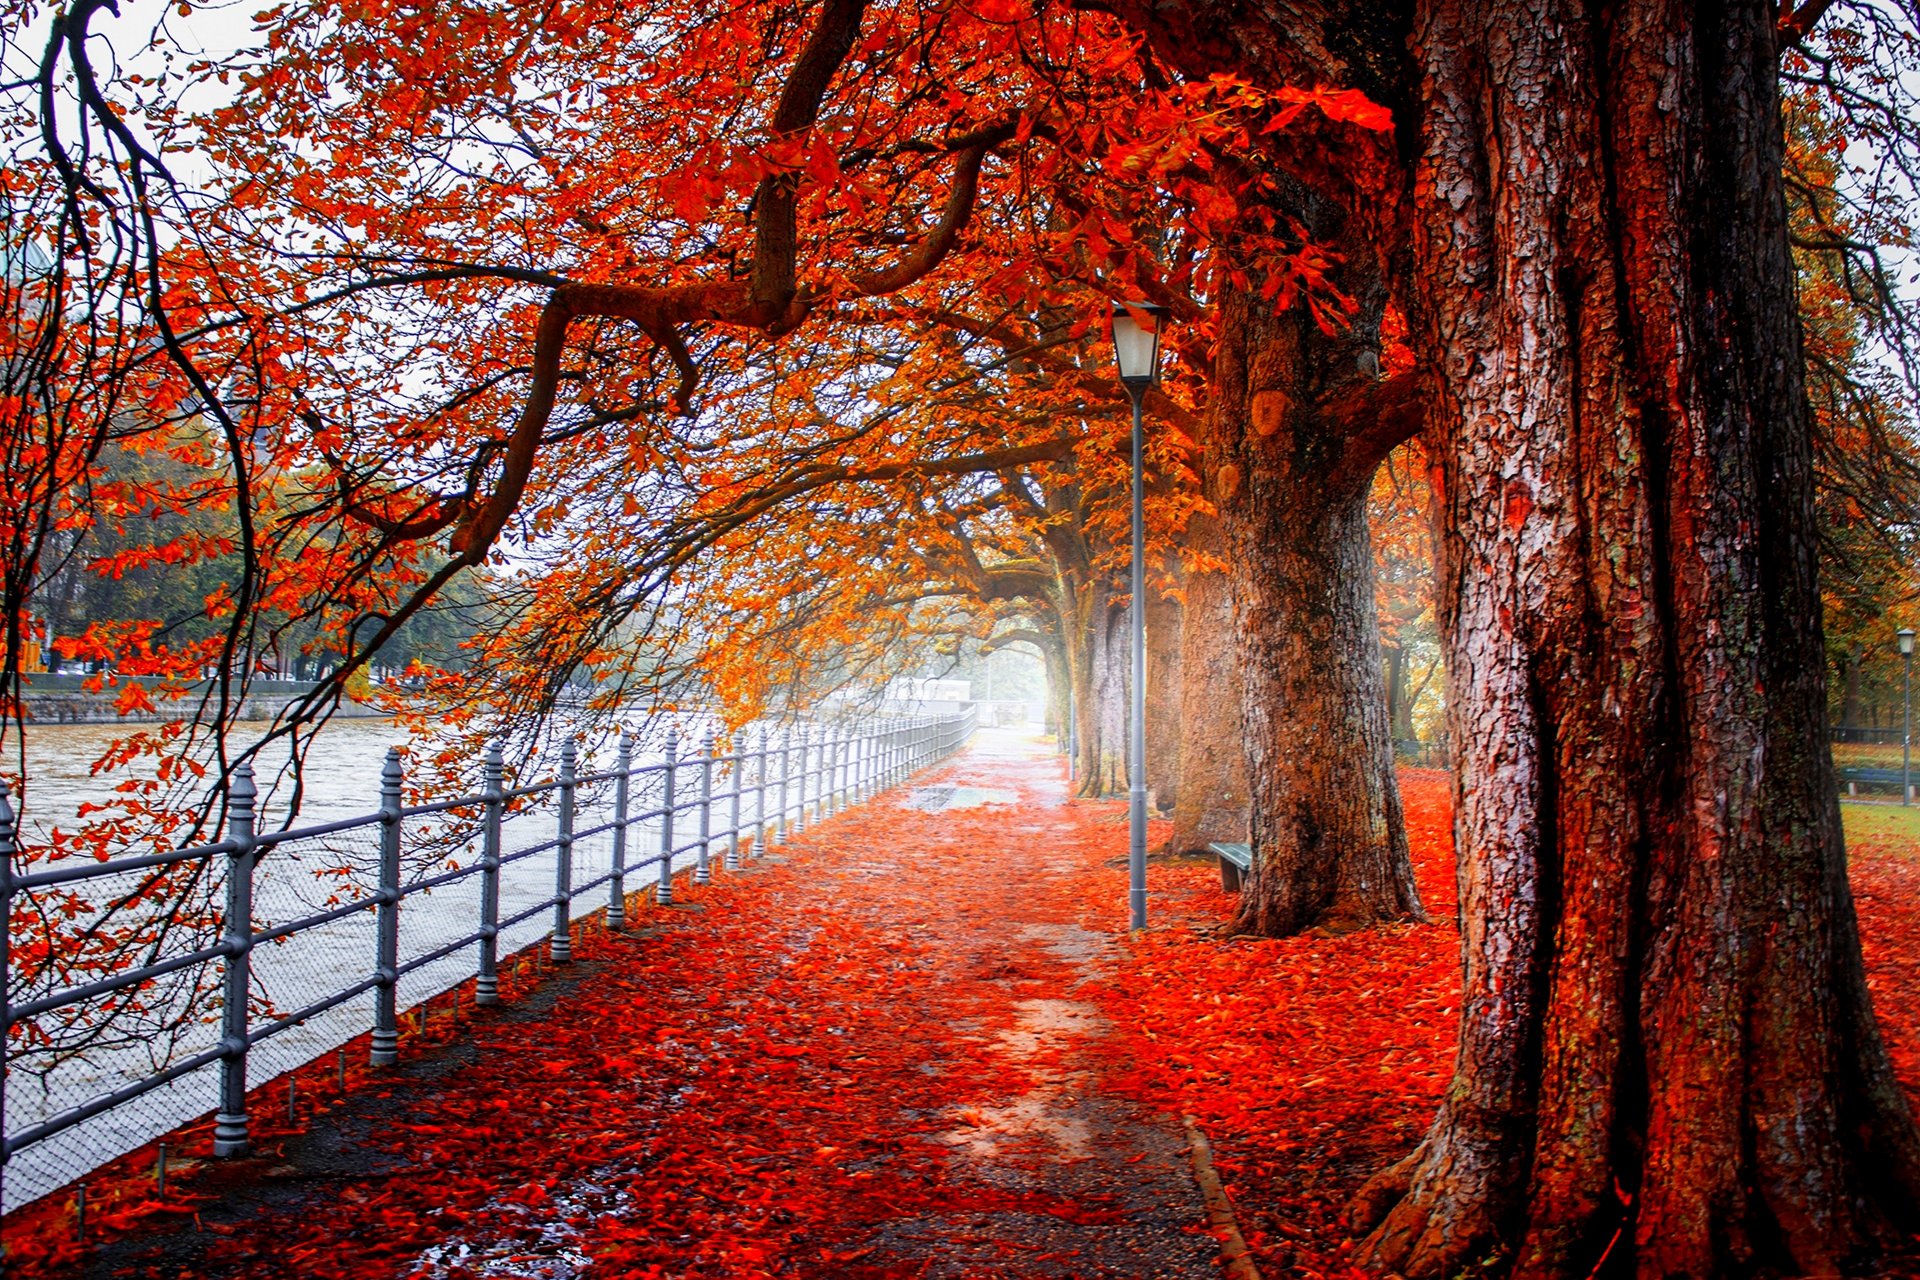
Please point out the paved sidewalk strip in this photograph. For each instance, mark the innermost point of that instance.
(873, 1054)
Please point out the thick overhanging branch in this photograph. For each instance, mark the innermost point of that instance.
(1375, 418)
(1796, 24)
(1019, 635)
(659, 313)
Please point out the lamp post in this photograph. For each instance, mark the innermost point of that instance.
(1906, 714)
(1136, 350)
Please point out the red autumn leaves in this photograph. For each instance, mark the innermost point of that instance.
(797, 1076)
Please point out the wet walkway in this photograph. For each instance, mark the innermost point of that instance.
(872, 1054)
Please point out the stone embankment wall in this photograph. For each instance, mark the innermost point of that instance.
(64, 699)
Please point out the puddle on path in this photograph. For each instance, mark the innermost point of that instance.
(937, 799)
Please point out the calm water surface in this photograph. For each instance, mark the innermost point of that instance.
(342, 771)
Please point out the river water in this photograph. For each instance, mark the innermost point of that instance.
(342, 774)
(294, 880)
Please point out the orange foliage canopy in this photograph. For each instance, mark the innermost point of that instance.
(424, 290)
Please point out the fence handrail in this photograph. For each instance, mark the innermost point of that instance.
(838, 766)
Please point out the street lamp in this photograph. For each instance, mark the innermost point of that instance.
(1137, 327)
(1906, 713)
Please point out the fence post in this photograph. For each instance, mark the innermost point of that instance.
(800, 806)
(823, 795)
(829, 770)
(230, 1120)
(809, 763)
(839, 768)
(814, 771)
(6, 958)
(733, 822)
(486, 986)
(617, 894)
(761, 828)
(385, 1050)
(823, 774)
(819, 736)
(663, 892)
(786, 768)
(703, 863)
(560, 947)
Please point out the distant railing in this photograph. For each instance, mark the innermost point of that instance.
(685, 808)
(1421, 753)
(1883, 737)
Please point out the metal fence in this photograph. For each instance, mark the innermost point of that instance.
(1422, 753)
(295, 963)
(1884, 736)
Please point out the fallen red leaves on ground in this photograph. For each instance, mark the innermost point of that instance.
(1885, 873)
(787, 1078)
(1313, 1062)
(1309, 1062)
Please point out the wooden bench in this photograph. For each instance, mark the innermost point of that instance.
(1236, 860)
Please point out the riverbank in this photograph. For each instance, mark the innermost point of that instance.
(65, 699)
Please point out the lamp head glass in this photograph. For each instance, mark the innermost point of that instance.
(1906, 640)
(1137, 327)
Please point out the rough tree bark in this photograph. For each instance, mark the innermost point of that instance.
(1166, 624)
(1211, 803)
(1108, 704)
(1850, 690)
(1100, 741)
(1399, 694)
(1668, 1061)
(1667, 1046)
(1289, 468)
(1053, 652)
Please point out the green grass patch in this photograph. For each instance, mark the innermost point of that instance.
(1890, 826)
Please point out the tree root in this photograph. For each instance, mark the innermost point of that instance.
(1432, 1214)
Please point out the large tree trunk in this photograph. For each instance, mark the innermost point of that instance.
(1053, 651)
(1399, 695)
(1211, 804)
(1165, 625)
(1666, 1043)
(1668, 1059)
(1112, 667)
(1290, 483)
(1850, 698)
(1098, 644)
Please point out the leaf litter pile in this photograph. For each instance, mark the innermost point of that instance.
(915, 1042)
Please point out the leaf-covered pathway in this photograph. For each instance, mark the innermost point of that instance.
(871, 1055)
(917, 1042)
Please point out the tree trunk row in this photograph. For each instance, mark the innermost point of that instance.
(1666, 1036)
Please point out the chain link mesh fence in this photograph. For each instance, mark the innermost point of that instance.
(94, 1074)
